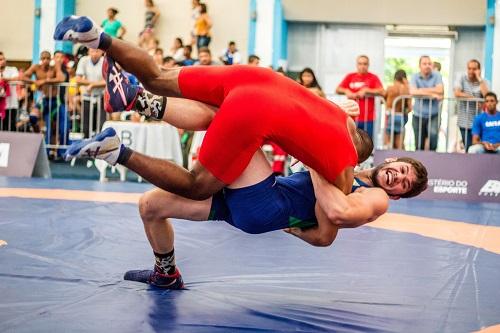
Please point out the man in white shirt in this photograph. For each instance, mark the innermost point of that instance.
(89, 76)
(8, 73)
(231, 55)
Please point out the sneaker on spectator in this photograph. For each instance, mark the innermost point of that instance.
(119, 95)
(152, 277)
(104, 146)
(79, 29)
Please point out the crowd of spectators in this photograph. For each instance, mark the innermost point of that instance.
(64, 92)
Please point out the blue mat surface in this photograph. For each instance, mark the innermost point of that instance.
(63, 266)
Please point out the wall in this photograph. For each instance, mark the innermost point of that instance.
(16, 29)
(230, 20)
(423, 12)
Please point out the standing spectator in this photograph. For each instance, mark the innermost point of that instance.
(399, 110)
(89, 75)
(62, 120)
(253, 60)
(308, 80)
(486, 128)
(205, 57)
(177, 50)
(202, 28)
(356, 86)
(48, 101)
(112, 26)
(147, 35)
(188, 60)
(9, 117)
(195, 13)
(469, 85)
(427, 87)
(231, 55)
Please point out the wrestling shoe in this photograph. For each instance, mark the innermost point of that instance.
(120, 94)
(152, 277)
(79, 29)
(104, 146)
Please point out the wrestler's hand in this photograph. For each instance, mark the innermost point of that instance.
(350, 107)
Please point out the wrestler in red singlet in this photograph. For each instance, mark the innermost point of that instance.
(256, 104)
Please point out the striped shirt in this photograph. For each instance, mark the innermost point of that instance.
(466, 111)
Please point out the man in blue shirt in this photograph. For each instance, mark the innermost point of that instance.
(427, 87)
(486, 128)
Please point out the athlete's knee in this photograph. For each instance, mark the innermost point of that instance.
(152, 206)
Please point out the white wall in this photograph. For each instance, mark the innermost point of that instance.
(230, 18)
(16, 28)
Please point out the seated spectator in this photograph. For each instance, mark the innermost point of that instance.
(177, 50)
(8, 114)
(469, 85)
(158, 57)
(398, 117)
(203, 25)
(486, 128)
(308, 80)
(205, 57)
(89, 76)
(253, 60)
(169, 62)
(188, 61)
(112, 26)
(230, 55)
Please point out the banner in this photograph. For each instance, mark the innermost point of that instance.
(453, 176)
(23, 155)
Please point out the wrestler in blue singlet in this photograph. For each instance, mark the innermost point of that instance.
(273, 204)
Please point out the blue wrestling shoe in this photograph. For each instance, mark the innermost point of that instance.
(172, 281)
(79, 29)
(104, 146)
(120, 94)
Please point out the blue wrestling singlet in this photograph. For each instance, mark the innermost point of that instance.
(273, 204)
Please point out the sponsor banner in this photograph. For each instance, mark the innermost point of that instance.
(23, 155)
(452, 176)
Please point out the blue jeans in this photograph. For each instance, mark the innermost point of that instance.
(426, 128)
(202, 41)
(51, 110)
(466, 137)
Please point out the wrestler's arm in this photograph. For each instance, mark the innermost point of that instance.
(349, 211)
(322, 235)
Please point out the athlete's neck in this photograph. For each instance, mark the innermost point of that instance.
(365, 176)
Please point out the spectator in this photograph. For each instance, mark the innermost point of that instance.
(436, 66)
(89, 75)
(356, 86)
(486, 128)
(63, 119)
(195, 13)
(8, 118)
(169, 62)
(158, 57)
(427, 86)
(188, 60)
(205, 57)
(177, 50)
(202, 28)
(308, 80)
(469, 85)
(399, 110)
(230, 55)
(112, 26)
(48, 102)
(147, 39)
(253, 60)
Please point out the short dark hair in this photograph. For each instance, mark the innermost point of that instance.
(491, 94)
(58, 51)
(204, 49)
(203, 8)
(232, 43)
(475, 61)
(1, 54)
(400, 75)
(167, 59)
(114, 10)
(365, 147)
(423, 57)
(252, 58)
(159, 50)
(421, 174)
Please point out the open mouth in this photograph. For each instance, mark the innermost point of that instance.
(389, 177)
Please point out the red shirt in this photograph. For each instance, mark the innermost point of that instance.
(355, 82)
